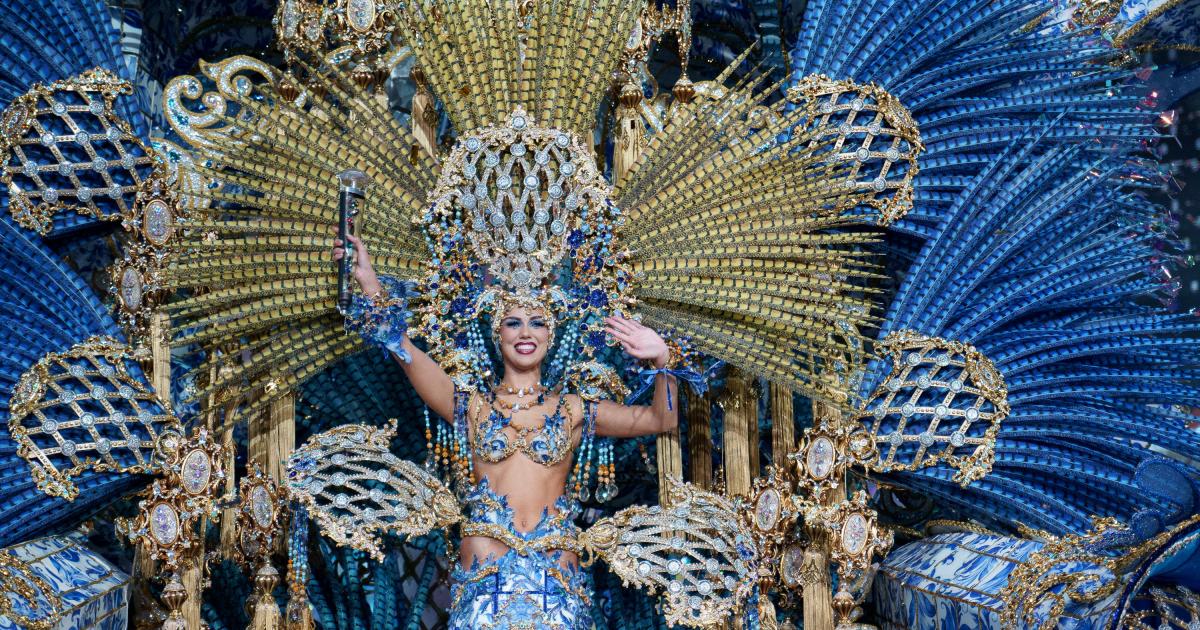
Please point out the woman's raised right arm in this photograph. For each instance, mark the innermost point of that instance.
(432, 383)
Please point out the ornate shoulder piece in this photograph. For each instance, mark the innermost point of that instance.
(355, 488)
(696, 551)
(872, 132)
(87, 409)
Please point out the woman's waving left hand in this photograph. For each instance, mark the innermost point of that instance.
(638, 340)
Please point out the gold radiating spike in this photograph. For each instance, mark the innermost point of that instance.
(257, 258)
(486, 58)
(743, 233)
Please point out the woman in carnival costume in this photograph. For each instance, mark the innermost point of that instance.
(726, 235)
(518, 559)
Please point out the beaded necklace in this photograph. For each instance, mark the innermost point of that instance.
(547, 445)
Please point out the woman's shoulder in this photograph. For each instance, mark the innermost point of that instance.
(574, 404)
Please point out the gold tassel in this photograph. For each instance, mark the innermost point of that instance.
(424, 116)
(229, 514)
(740, 440)
(817, 592)
(282, 436)
(273, 436)
(630, 133)
(266, 612)
(160, 353)
(670, 462)
(699, 439)
(192, 577)
(783, 424)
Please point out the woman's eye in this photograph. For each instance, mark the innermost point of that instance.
(537, 323)
(512, 323)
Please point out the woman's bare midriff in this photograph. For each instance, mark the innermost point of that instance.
(529, 488)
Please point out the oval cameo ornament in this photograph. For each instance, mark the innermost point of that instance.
(854, 534)
(361, 15)
(819, 458)
(164, 524)
(131, 289)
(261, 509)
(791, 563)
(197, 470)
(766, 510)
(158, 222)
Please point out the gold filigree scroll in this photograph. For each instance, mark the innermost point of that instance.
(943, 402)
(361, 33)
(84, 410)
(855, 531)
(695, 552)
(654, 23)
(18, 580)
(64, 148)
(233, 79)
(139, 278)
(260, 517)
(1164, 608)
(1069, 570)
(871, 131)
(193, 475)
(356, 489)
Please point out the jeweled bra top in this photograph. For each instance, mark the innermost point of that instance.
(547, 445)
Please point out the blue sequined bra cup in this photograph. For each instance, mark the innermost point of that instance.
(546, 445)
(529, 585)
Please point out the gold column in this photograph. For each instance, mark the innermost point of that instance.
(818, 587)
(698, 412)
(783, 426)
(741, 433)
(628, 146)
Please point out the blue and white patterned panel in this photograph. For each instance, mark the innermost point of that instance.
(1134, 23)
(956, 580)
(91, 593)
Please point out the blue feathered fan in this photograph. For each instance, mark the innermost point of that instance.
(79, 421)
(1024, 369)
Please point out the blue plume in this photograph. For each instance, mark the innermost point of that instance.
(45, 307)
(1050, 264)
(976, 81)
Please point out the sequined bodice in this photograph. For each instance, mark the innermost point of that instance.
(547, 445)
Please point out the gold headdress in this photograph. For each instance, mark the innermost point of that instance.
(720, 231)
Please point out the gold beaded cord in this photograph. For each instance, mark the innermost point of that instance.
(255, 258)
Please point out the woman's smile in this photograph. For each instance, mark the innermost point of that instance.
(525, 347)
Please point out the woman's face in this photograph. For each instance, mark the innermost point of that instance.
(524, 338)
